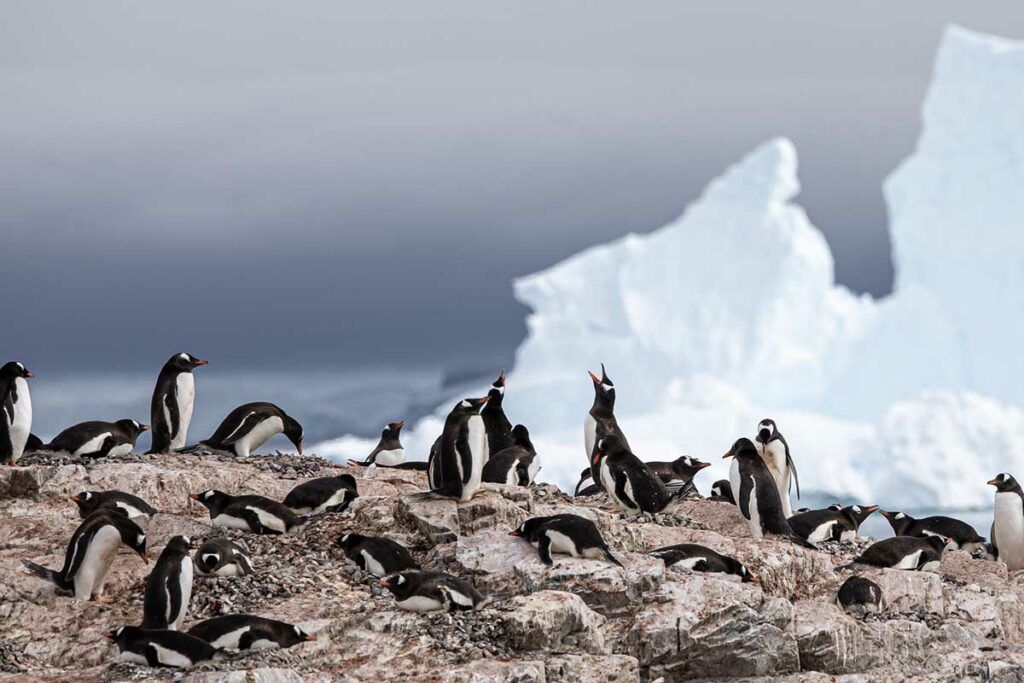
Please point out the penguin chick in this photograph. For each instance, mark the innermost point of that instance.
(432, 591)
(702, 559)
(567, 534)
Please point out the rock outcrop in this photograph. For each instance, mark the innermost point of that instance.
(578, 621)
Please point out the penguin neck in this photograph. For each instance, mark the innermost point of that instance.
(602, 407)
(493, 405)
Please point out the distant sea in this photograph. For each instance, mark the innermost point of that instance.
(329, 403)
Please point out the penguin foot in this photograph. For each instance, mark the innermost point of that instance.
(102, 599)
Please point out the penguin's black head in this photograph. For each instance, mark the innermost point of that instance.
(180, 544)
(211, 498)
(14, 369)
(688, 466)
(295, 635)
(349, 540)
(87, 502)
(604, 391)
(132, 427)
(122, 633)
(293, 430)
(743, 447)
(938, 543)
(1004, 483)
(497, 391)
(392, 430)
(185, 362)
(134, 538)
(609, 446)
(858, 513)
(521, 435)
(399, 584)
(766, 430)
(470, 406)
(530, 529)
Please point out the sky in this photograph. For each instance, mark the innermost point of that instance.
(281, 185)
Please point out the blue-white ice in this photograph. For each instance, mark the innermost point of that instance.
(731, 313)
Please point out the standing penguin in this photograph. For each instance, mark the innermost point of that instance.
(498, 427)
(248, 427)
(15, 412)
(774, 450)
(389, 451)
(632, 486)
(1007, 535)
(173, 400)
(567, 534)
(516, 465)
(757, 495)
(88, 439)
(600, 421)
(169, 587)
(90, 553)
(323, 494)
(456, 465)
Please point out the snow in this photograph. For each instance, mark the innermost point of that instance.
(731, 313)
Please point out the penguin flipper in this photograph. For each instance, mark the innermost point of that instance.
(171, 404)
(792, 468)
(44, 573)
(248, 424)
(254, 634)
(544, 550)
(620, 491)
(152, 656)
(611, 558)
(255, 525)
(792, 536)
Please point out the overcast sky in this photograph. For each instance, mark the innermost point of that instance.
(268, 183)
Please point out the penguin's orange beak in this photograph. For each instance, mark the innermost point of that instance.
(309, 637)
(728, 454)
(202, 362)
(399, 424)
(703, 465)
(383, 583)
(872, 508)
(110, 634)
(298, 447)
(992, 482)
(145, 559)
(513, 533)
(74, 498)
(597, 380)
(145, 428)
(193, 496)
(597, 456)
(754, 579)
(29, 373)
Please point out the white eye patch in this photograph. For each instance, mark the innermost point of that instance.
(183, 356)
(856, 508)
(900, 516)
(208, 556)
(465, 404)
(141, 539)
(401, 580)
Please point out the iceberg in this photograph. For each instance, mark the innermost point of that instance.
(731, 313)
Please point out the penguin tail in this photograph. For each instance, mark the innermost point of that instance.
(358, 463)
(611, 558)
(42, 572)
(188, 450)
(682, 492)
(799, 540)
(848, 567)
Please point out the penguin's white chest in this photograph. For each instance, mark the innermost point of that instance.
(533, 468)
(560, 543)
(186, 395)
(774, 456)
(477, 440)
(99, 555)
(268, 519)
(390, 458)
(372, 565)
(185, 586)
(589, 435)
(20, 423)
(823, 532)
(1008, 530)
(258, 436)
(608, 482)
(92, 445)
(229, 640)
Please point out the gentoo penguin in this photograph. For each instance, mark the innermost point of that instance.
(702, 559)
(223, 557)
(904, 552)
(860, 594)
(248, 427)
(323, 494)
(566, 534)
(161, 648)
(772, 447)
(586, 485)
(431, 591)
(173, 399)
(678, 473)
(630, 484)
(516, 465)
(15, 411)
(831, 524)
(757, 495)
(90, 552)
(389, 451)
(169, 587)
(89, 439)
(456, 466)
(497, 426)
(377, 555)
(1007, 536)
(247, 632)
(600, 421)
(961, 535)
(721, 490)
(134, 507)
(249, 513)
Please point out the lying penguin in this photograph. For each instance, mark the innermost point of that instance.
(249, 513)
(904, 552)
(98, 439)
(223, 557)
(702, 559)
(133, 507)
(379, 556)
(961, 535)
(323, 494)
(432, 591)
(567, 534)
(831, 524)
(248, 427)
(858, 594)
(156, 648)
(389, 451)
(90, 553)
(248, 632)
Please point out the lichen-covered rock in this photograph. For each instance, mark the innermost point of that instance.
(554, 621)
(591, 669)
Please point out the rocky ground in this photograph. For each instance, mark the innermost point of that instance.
(579, 621)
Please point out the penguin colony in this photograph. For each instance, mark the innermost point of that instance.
(477, 444)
